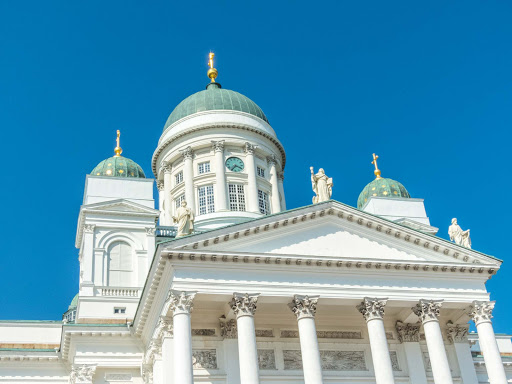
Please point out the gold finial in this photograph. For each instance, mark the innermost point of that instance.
(212, 72)
(377, 170)
(118, 150)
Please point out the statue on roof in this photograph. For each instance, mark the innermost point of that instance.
(459, 236)
(185, 219)
(322, 185)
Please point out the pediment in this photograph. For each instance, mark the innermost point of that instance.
(332, 230)
(121, 206)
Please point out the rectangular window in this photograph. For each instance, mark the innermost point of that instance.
(260, 172)
(178, 200)
(179, 178)
(263, 202)
(236, 197)
(203, 167)
(119, 311)
(206, 199)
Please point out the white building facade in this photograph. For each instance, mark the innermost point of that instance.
(258, 293)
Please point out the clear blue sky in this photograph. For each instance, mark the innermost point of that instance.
(425, 85)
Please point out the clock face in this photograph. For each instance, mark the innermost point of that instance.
(235, 164)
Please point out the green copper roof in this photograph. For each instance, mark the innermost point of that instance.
(214, 98)
(383, 188)
(74, 302)
(118, 166)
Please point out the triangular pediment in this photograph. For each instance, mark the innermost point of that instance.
(120, 205)
(332, 230)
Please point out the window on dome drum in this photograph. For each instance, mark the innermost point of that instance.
(263, 202)
(179, 178)
(70, 317)
(236, 197)
(119, 265)
(178, 200)
(120, 310)
(206, 199)
(203, 167)
(260, 171)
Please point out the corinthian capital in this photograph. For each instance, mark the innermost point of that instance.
(164, 328)
(304, 306)
(481, 311)
(372, 308)
(181, 302)
(428, 310)
(218, 146)
(249, 148)
(457, 333)
(160, 186)
(82, 374)
(244, 304)
(147, 374)
(408, 332)
(187, 153)
(272, 160)
(166, 167)
(154, 348)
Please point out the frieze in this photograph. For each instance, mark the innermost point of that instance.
(204, 359)
(203, 332)
(394, 361)
(292, 359)
(118, 377)
(286, 334)
(264, 333)
(339, 335)
(266, 359)
(343, 361)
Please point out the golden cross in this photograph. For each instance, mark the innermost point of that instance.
(119, 135)
(210, 62)
(377, 170)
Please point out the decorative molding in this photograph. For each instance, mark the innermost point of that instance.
(266, 359)
(408, 332)
(150, 231)
(203, 332)
(181, 302)
(394, 361)
(187, 153)
(372, 308)
(89, 228)
(304, 306)
(292, 359)
(166, 166)
(428, 310)
(244, 304)
(457, 333)
(228, 328)
(118, 377)
(218, 146)
(287, 334)
(343, 361)
(82, 374)
(249, 148)
(154, 348)
(164, 328)
(481, 311)
(204, 359)
(264, 333)
(147, 374)
(160, 186)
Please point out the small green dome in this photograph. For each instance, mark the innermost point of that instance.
(383, 188)
(214, 98)
(74, 302)
(118, 166)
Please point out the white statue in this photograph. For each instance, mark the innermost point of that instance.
(322, 186)
(459, 236)
(185, 219)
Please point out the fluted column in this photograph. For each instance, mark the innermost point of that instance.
(188, 177)
(276, 204)
(167, 198)
(280, 177)
(252, 186)
(481, 313)
(428, 312)
(458, 335)
(244, 307)
(372, 310)
(304, 308)
(181, 306)
(409, 336)
(221, 196)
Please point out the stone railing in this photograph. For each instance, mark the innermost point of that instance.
(118, 291)
(170, 232)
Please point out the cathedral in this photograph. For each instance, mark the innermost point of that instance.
(218, 282)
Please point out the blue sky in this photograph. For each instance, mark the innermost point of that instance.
(425, 85)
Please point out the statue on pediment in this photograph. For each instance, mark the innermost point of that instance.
(459, 236)
(185, 219)
(322, 185)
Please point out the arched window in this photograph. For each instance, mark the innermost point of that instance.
(120, 265)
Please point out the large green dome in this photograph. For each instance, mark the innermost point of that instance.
(382, 187)
(214, 98)
(74, 302)
(118, 166)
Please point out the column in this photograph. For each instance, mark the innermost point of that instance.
(188, 178)
(428, 312)
(481, 313)
(372, 310)
(458, 335)
(167, 198)
(252, 186)
(221, 196)
(82, 374)
(244, 306)
(164, 333)
(304, 308)
(280, 177)
(228, 331)
(276, 204)
(409, 336)
(181, 307)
